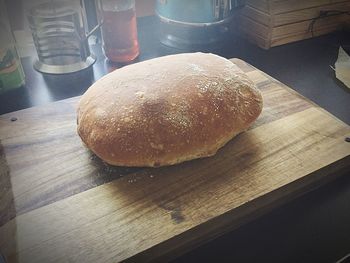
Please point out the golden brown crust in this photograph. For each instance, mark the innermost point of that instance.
(167, 110)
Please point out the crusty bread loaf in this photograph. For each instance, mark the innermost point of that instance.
(167, 110)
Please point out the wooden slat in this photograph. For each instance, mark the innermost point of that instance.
(280, 40)
(338, 1)
(307, 14)
(252, 27)
(256, 15)
(69, 207)
(303, 27)
(253, 31)
(262, 5)
(284, 6)
(289, 21)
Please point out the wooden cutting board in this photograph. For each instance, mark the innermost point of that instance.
(59, 203)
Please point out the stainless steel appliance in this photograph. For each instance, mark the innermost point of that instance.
(195, 24)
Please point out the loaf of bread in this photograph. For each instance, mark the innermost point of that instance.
(167, 110)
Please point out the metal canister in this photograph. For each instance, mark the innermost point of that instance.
(194, 24)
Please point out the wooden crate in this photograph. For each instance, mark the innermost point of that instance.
(270, 23)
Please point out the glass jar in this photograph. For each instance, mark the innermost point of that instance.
(11, 71)
(119, 31)
(60, 36)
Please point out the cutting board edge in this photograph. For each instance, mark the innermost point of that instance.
(272, 201)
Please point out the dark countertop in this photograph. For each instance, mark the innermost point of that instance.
(312, 228)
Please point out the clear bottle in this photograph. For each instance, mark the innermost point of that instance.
(119, 30)
(11, 71)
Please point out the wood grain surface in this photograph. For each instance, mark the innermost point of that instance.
(277, 22)
(59, 203)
